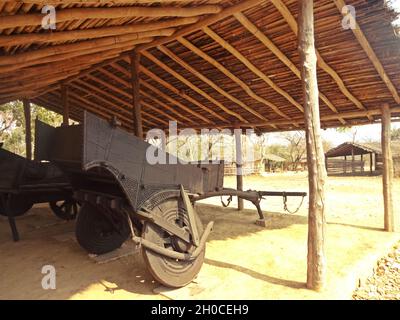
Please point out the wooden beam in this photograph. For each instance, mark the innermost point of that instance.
(278, 53)
(287, 15)
(76, 35)
(65, 104)
(316, 264)
(239, 164)
(194, 88)
(63, 66)
(102, 44)
(212, 84)
(227, 12)
(387, 174)
(203, 22)
(137, 117)
(165, 84)
(117, 111)
(153, 98)
(362, 40)
(63, 15)
(169, 99)
(28, 129)
(251, 67)
(231, 76)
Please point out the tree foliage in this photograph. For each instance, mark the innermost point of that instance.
(395, 134)
(12, 124)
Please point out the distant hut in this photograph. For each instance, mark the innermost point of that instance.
(272, 163)
(351, 158)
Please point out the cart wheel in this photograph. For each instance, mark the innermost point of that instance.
(18, 205)
(66, 210)
(168, 271)
(95, 233)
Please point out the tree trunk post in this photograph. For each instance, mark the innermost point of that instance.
(28, 131)
(65, 104)
(316, 263)
(370, 163)
(387, 174)
(239, 164)
(137, 115)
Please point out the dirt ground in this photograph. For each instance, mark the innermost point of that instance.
(243, 260)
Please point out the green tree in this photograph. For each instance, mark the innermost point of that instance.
(12, 124)
(395, 134)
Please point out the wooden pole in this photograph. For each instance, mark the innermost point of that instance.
(137, 116)
(316, 264)
(28, 131)
(387, 174)
(370, 163)
(65, 104)
(239, 163)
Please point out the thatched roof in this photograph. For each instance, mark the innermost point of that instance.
(204, 63)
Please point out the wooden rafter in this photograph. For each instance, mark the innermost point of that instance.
(230, 75)
(227, 12)
(193, 87)
(278, 53)
(76, 35)
(331, 117)
(35, 19)
(251, 67)
(287, 15)
(158, 92)
(362, 40)
(168, 86)
(212, 84)
(129, 40)
(118, 109)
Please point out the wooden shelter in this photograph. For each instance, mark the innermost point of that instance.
(271, 65)
(351, 158)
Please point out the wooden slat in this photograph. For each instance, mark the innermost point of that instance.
(199, 75)
(278, 53)
(194, 88)
(362, 40)
(251, 67)
(230, 75)
(287, 15)
(62, 15)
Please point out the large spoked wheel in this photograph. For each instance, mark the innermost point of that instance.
(167, 271)
(96, 234)
(66, 209)
(19, 205)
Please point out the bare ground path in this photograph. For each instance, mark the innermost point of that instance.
(243, 261)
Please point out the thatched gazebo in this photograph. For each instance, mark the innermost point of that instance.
(271, 65)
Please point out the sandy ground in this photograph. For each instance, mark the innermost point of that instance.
(243, 260)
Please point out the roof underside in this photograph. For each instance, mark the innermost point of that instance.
(240, 69)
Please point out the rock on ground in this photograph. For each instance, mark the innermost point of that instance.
(384, 284)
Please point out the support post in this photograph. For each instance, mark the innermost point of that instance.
(362, 162)
(316, 264)
(137, 115)
(65, 104)
(387, 174)
(28, 131)
(239, 164)
(370, 163)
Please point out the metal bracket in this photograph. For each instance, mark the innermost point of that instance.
(191, 215)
